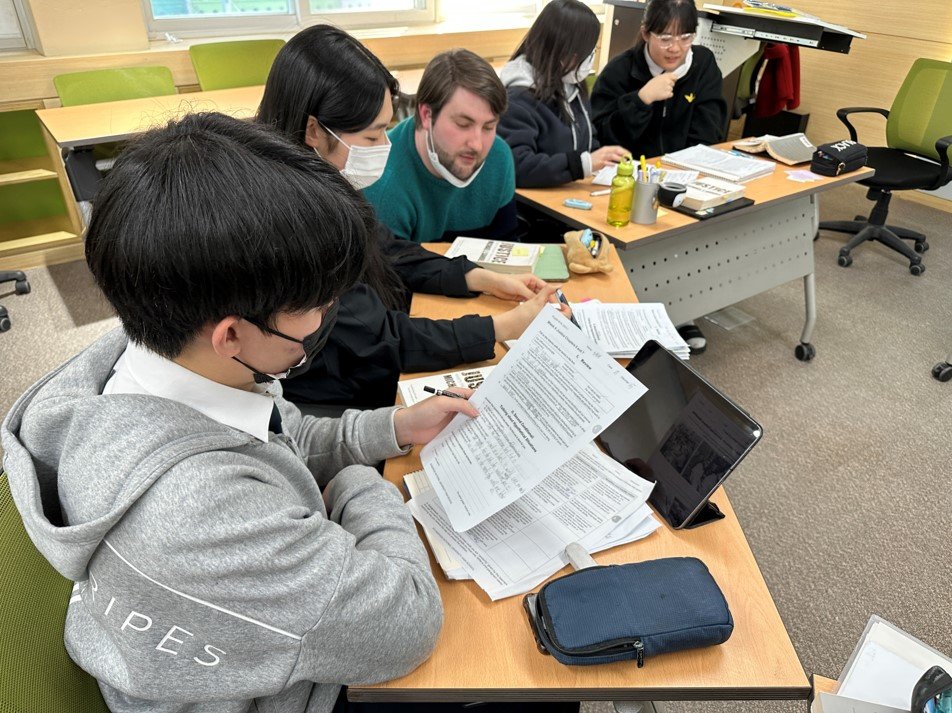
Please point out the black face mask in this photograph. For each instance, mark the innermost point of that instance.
(312, 343)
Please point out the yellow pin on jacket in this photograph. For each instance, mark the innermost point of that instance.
(689, 97)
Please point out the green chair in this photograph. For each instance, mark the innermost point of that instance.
(106, 85)
(918, 138)
(223, 65)
(85, 165)
(36, 673)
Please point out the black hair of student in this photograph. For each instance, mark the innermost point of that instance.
(561, 38)
(662, 14)
(325, 73)
(210, 217)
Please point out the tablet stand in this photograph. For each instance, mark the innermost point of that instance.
(709, 513)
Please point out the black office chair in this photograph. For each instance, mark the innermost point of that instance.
(20, 287)
(918, 135)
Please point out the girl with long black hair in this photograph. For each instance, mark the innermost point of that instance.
(328, 92)
(547, 123)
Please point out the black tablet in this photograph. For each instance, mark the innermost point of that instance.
(683, 434)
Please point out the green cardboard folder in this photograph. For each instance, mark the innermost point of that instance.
(551, 264)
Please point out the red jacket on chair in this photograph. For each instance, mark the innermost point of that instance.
(780, 82)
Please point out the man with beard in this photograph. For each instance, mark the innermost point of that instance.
(448, 174)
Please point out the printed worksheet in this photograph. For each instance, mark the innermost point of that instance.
(622, 329)
(585, 500)
(548, 397)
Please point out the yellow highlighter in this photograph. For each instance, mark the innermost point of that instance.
(644, 168)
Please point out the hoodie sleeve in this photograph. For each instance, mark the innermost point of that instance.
(423, 270)
(619, 115)
(231, 565)
(520, 127)
(710, 110)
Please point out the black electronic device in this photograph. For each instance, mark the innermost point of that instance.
(683, 434)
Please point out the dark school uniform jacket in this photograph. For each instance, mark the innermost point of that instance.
(696, 114)
(370, 345)
(546, 148)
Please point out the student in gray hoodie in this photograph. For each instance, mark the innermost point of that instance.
(229, 554)
(547, 122)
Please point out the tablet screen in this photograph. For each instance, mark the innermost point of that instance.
(683, 434)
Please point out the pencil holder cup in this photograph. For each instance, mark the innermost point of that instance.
(644, 206)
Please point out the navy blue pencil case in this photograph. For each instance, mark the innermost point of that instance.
(629, 612)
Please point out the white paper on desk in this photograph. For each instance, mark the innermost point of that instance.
(835, 703)
(622, 328)
(591, 493)
(886, 664)
(639, 525)
(548, 397)
(618, 530)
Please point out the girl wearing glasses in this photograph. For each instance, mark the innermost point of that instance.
(547, 123)
(663, 94)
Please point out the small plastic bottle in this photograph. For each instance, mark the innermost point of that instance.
(623, 192)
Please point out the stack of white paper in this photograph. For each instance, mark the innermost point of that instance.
(541, 405)
(591, 499)
(622, 329)
(412, 391)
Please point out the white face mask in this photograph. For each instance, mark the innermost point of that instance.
(365, 164)
(580, 74)
(444, 172)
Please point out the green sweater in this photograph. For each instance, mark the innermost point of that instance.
(418, 206)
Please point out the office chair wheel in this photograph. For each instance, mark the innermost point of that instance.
(942, 371)
(844, 260)
(5, 321)
(21, 287)
(917, 268)
(805, 351)
(921, 247)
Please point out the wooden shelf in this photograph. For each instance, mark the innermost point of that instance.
(25, 170)
(32, 243)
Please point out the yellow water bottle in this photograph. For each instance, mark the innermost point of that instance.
(623, 192)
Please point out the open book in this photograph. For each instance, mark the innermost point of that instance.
(720, 164)
(791, 149)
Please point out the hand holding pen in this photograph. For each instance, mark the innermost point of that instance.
(443, 392)
(568, 308)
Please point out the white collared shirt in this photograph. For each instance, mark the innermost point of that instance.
(141, 371)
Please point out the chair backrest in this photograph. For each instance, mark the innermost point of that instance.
(36, 673)
(244, 63)
(922, 110)
(106, 85)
